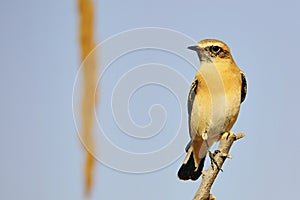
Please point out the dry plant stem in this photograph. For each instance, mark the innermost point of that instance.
(209, 176)
(89, 95)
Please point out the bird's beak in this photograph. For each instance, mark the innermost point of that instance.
(194, 48)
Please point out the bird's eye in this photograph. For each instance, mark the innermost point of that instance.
(215, 49)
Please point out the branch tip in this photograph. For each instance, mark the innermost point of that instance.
(239, 136)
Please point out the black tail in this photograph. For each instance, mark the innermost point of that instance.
(188, 170)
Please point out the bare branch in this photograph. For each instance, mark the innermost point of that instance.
(209, 176)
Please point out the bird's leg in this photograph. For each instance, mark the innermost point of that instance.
(211, 155)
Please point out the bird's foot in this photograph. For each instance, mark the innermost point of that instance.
(212, 159)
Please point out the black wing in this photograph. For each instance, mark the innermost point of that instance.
(192, 94)
(191, 97)
(244, 87)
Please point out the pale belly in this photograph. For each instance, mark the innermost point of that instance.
(214, 114)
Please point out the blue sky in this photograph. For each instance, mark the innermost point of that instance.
(41, 154)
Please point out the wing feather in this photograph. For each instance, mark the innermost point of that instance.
(244, 87)
(191, 98)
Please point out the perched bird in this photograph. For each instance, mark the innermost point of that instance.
(214, 100)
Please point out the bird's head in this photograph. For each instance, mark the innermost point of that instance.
(212, 51)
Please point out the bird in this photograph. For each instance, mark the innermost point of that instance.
(214, 101)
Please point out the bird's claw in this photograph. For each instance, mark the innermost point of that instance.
(213, 161)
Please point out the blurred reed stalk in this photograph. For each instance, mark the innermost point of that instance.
(89, 95)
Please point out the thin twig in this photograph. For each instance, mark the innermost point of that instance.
(209, 176)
